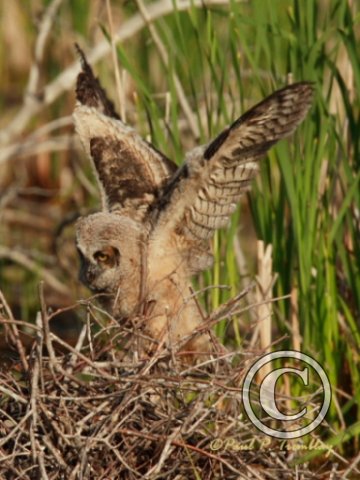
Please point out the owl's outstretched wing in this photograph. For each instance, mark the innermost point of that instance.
(130, 171)
(203, 193)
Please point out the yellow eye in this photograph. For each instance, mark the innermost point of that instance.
(108, 256)
(101, 256)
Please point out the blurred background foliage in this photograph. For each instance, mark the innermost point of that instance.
(184, 76)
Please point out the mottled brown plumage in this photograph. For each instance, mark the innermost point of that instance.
(112, 145)
(89, 91)
(157, 220)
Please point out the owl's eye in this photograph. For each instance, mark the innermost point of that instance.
(107, 256)
(101, 256)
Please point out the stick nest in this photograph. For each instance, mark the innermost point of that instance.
(85, 412)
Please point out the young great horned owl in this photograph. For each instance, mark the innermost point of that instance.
(157, 219)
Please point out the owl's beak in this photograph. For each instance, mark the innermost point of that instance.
(86, 272)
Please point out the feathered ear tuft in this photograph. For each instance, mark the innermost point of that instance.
(89, 92)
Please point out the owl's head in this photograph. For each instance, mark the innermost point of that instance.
(109, 247)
